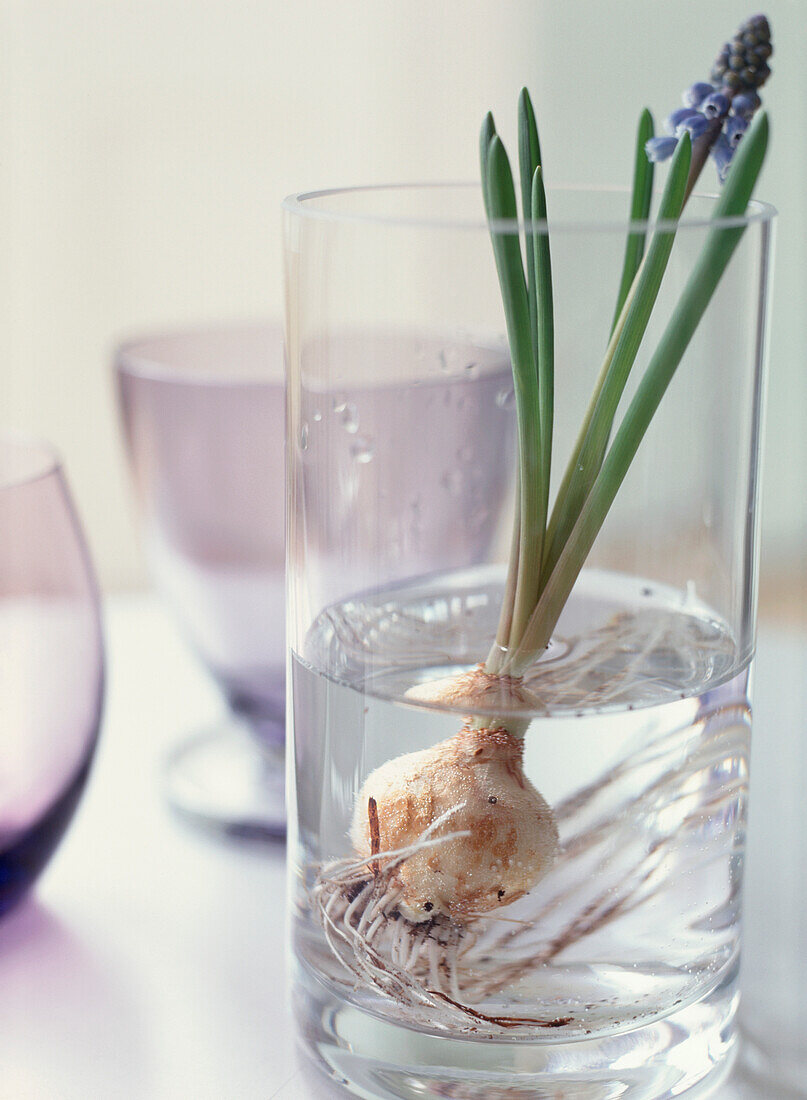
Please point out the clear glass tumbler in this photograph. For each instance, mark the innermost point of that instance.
(51, 662)
(203, 414)
(428, 959)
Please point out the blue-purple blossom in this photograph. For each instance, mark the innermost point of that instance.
(741, 65)
(745, 104)
(660, 148)
(734, 129)
(696, 93)
(716, 114)
(673, 121)
(716, 105)
(695, 125)
(722, 152)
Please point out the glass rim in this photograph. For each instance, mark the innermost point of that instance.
(131, 357)
(44, 460)
(302, 205)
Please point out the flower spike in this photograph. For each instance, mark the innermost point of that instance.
(716, 114)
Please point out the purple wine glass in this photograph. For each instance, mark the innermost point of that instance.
(51, 662)
(203, 415)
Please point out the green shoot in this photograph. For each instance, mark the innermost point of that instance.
(486, 135)
(712, 262)
(619, 358)
(546, 558)
(501, 200)
(544, 324)
(532, 347)
(641, 199)
(529, 159)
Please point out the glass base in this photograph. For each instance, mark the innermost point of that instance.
(228, 780)
(688, 1053)
(22, 861)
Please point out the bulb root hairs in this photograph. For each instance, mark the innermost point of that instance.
(432, 965)
(417, 964)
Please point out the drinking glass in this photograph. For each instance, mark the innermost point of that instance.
(51, 662)
(428, 958)
(203, 416)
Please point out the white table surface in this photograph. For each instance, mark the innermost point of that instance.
(149, 963)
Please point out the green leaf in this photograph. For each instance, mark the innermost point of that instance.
(506, 614)
(507, 251)
(545, 328)
(639, 210)
(620, 356)
(714, 257)
(487, 133)
(529, 158)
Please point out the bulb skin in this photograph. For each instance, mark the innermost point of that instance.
(509, 836)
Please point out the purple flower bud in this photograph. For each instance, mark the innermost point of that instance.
(673, 121)
(745, 104)
(715, 105)
(721, 152)
(734, 129)
(696, 93)
(695, 124)
(660, 148)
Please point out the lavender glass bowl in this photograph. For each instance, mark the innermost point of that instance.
(203, 416)
(51, 662)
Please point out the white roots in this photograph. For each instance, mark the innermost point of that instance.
(460, 975)
(418, 964)
(357, 901)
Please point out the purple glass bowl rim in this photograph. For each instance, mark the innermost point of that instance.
(128, 357)
(301, 205)
(47, 461)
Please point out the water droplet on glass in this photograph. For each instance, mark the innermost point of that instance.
(339, 403)
(304, 436)
(361, 450)
(479, 519)
(452, 481)
(443, 362)
(317, 417)
(506, 398)
(350, 418)
(470, 368)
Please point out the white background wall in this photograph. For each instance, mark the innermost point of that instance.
(145, 146)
